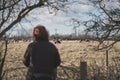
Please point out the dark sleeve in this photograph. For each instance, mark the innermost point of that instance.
(27, 54)
(57, 57)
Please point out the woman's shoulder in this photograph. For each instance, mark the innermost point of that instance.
(32, 43)
(48, 43)
(52, 45)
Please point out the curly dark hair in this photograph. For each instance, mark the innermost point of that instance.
(42, 35)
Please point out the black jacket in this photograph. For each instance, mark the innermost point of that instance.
(42, 57)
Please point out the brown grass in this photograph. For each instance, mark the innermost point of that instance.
(71, 52)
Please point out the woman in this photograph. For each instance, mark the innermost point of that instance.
(41, 57)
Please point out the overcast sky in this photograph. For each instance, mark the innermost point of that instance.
(60, 23)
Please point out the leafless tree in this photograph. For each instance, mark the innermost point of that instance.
(12, 12)
(105, 26)
(76, 24)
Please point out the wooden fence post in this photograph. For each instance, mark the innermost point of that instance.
(107, 58)
(83, 70)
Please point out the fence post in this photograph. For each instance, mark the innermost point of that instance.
(107, 58)
(107, 63)
(83, 70)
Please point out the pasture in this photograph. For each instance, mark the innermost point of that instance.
(72, 53)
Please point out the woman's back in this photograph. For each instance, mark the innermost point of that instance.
(41, 56)
(44, 57)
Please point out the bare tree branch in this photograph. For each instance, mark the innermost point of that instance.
(103, 8)
(20, 16)
(3, 7)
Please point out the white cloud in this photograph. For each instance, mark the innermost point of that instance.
(112, 4)
(58, 21)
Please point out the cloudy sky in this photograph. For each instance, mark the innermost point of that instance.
(60, 22)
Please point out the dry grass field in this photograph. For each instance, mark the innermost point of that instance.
(72, 53)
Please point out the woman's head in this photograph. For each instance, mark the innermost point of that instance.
(40, 33)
